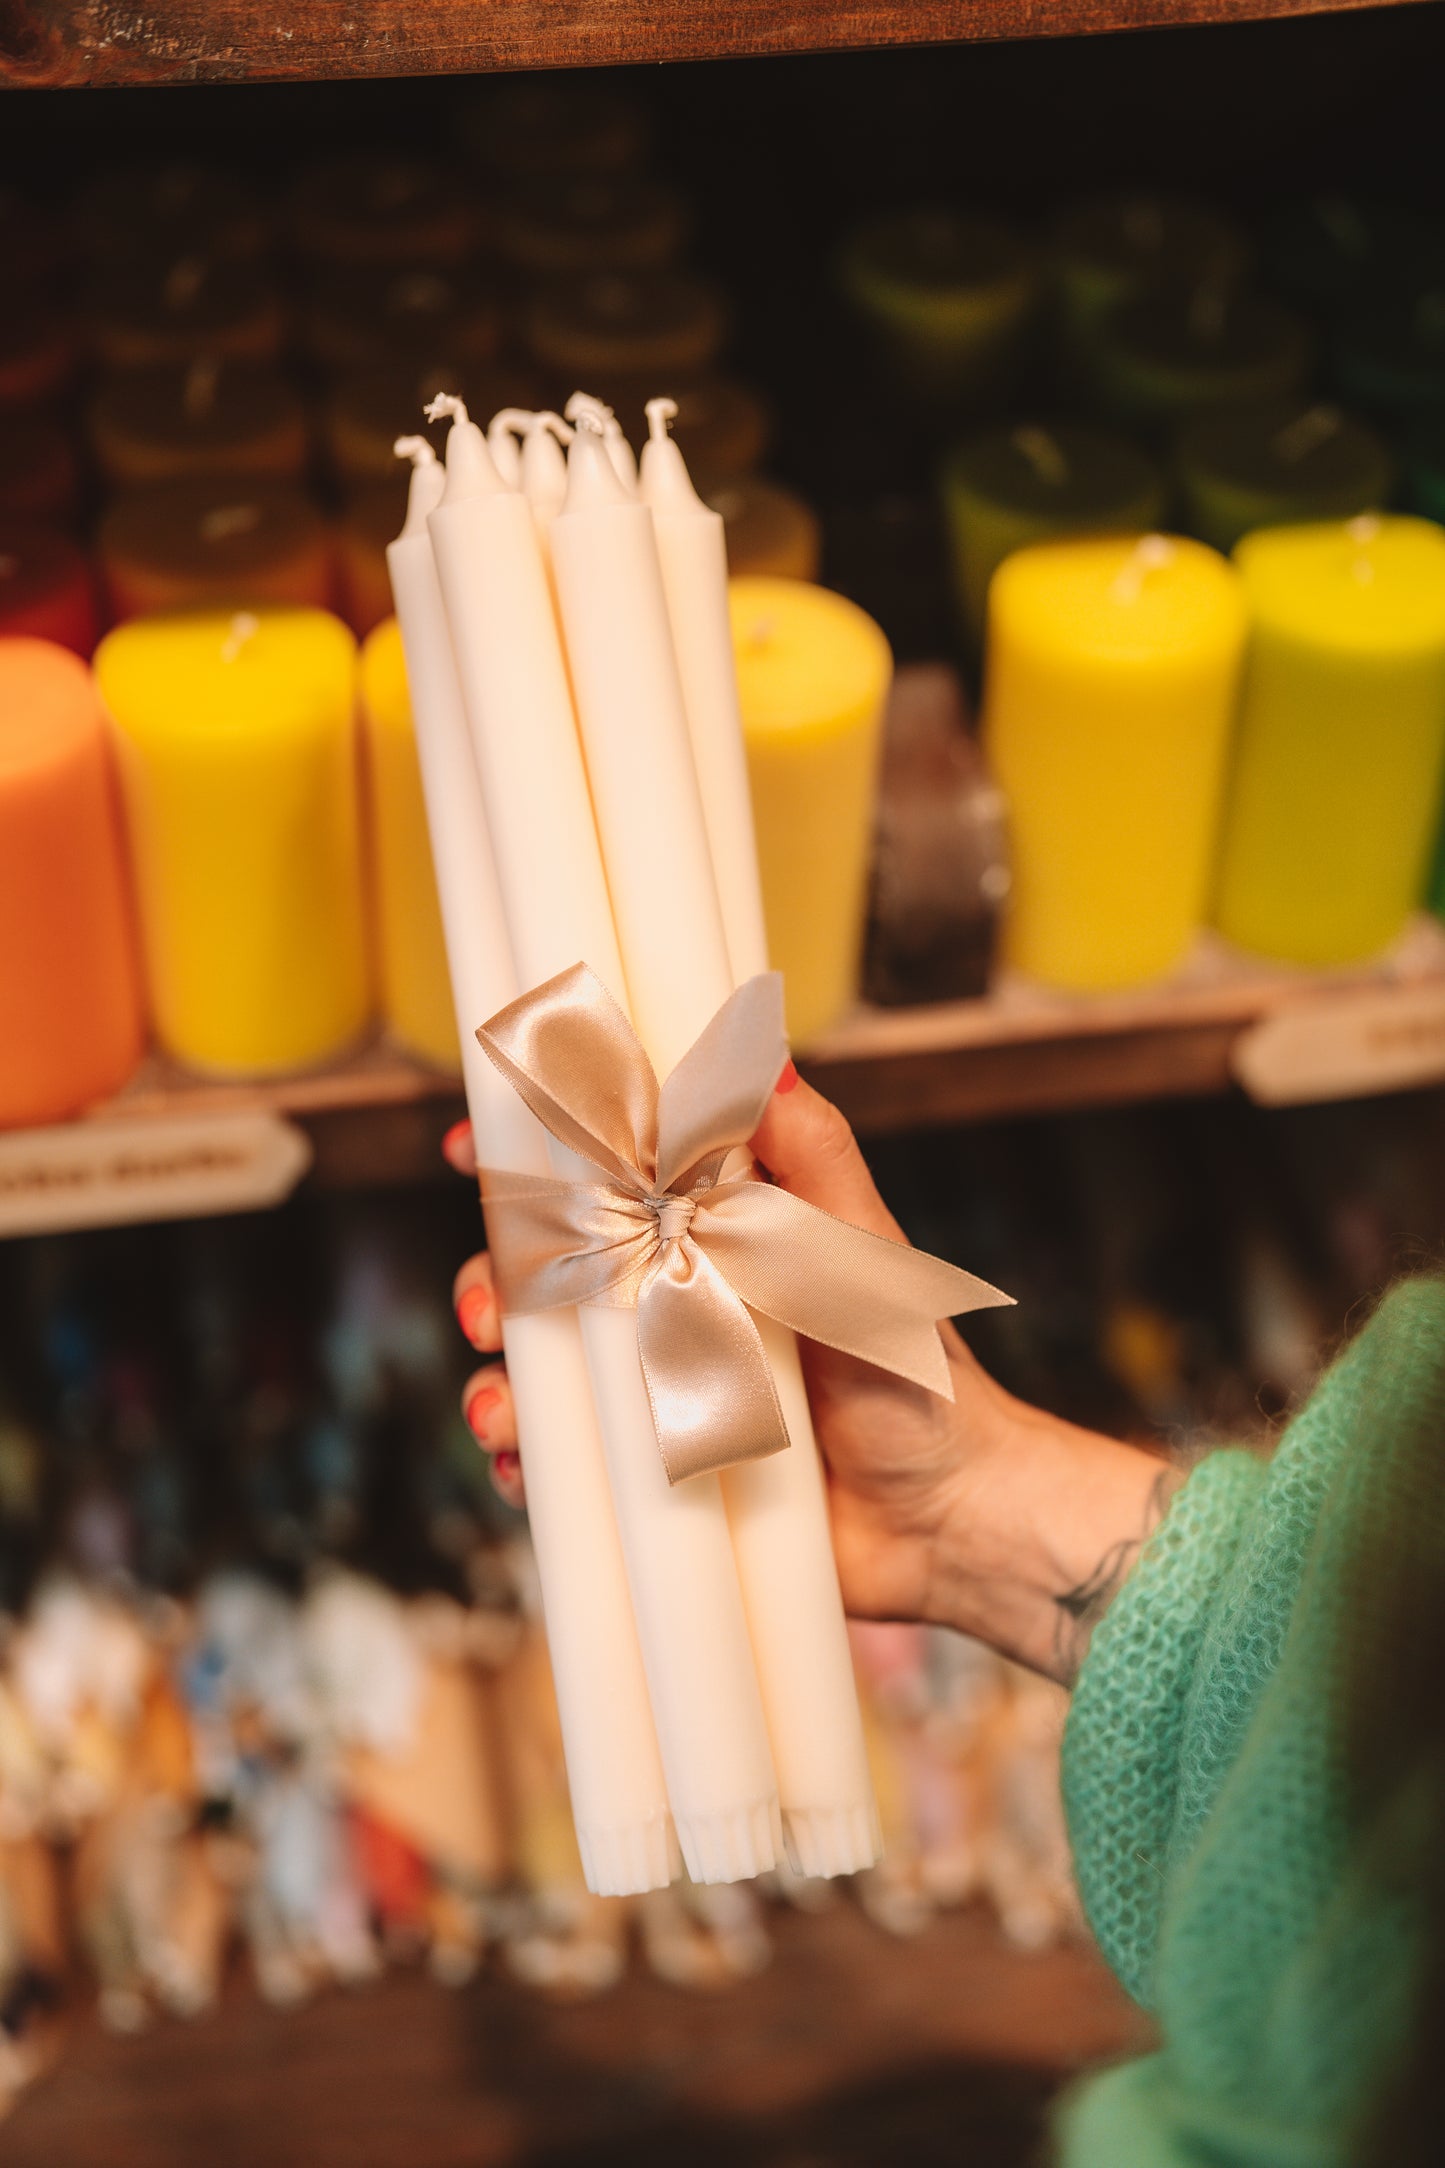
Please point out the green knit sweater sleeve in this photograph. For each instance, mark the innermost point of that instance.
(1124, 1745)
(1217, 1832)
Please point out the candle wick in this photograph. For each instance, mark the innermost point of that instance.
(417, 449)
(761, 631)
(589, 413)
(227, 520)
(446, 405)
(1364, 529)
(1306, 433)
(546, 423)
(510, 421)
(244, 627)
(199, 395)
(659, 413)
(1150, 554)
(1043, 454)
(183, 283)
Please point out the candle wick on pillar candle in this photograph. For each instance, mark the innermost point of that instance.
(199, 395)
(244, 627)
(1363, 532)
(1306, 433)
(1150, 554)
(227, 521)
(1043, 454)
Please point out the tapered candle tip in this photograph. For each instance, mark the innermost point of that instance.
(428, 479)
(659, 413)
(470, 468)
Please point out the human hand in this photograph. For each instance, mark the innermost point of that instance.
(487, 1394)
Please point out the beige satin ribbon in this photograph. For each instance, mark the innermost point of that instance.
(680, 1227)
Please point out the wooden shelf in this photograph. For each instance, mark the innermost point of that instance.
(380, 1117)
(67, 43)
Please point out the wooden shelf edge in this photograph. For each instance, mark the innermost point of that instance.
(92, 43)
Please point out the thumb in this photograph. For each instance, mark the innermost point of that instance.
(808, 1148)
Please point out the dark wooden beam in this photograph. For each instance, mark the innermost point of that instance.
(60, 43)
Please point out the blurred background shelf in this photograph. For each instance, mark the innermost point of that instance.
(58, 43)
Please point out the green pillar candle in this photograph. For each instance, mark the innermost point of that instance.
(1334, 252)
(1340, 738)
(1390, 359)
(948, 297)
(1162, 357)
(1267, 466)
(1016, 486)
(1108, 249)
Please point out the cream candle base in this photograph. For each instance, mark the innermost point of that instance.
(629, 1861)
(827, 1841)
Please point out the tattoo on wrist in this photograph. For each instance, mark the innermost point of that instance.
(1081, 1608)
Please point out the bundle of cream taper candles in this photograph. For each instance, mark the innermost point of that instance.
(567, 643)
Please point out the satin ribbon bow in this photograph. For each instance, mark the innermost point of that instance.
(680, 1227)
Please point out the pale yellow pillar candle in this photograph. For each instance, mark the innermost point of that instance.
(813, 678)
(658, 851)
(614, 1770)
(416, 994)
(238, 755)
(1110, 672)
(685, 1594)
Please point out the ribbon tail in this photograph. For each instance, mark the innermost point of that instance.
(713, 1398)
(836, 1283)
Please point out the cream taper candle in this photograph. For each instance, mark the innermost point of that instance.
(614, 1770)
(694, 1632)
(676, 953)
(693, 555)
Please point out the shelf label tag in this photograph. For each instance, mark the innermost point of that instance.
(1382, 1039)
(109, 1173)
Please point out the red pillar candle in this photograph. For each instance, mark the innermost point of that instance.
(46, 588)
(69, 981)
(38, 477)
(143, 314)
(227, 541)
(361, 317)
(173, 209)
(612, 331)
(374, 211)
(198, 419)
(37, 353)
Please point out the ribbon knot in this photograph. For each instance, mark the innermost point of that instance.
(680, 1228)
(674, 1216)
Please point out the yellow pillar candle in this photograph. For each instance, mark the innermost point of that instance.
(813, 677)
(238, 756)
(416, 993)
(1334, 793)
(1109, 677)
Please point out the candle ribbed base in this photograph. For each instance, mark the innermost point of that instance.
(732, 1847)
(833, 1840)
(628, 1861)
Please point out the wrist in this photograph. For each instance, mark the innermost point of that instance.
(1037, 1532)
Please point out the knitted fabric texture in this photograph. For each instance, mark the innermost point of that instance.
(1234, 1881)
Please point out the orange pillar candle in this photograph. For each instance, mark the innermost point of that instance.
(211, 542)
(416, 993)
(238, 757)
(197, 418)
(46, 589)
(69, 982)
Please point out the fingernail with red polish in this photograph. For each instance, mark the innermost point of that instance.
(788, 1080)
(481, 1405)
(474, 1307)
(507, 1466)
(457, 1143)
